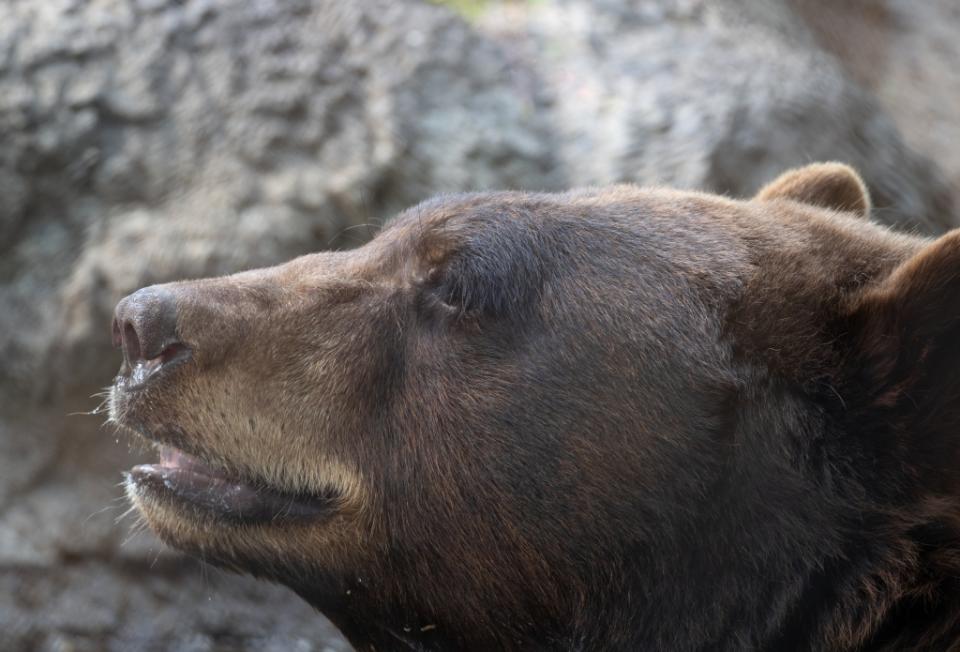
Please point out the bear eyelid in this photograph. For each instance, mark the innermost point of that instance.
(432, 295)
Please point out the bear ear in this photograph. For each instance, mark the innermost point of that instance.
(907, 334)
(829, 185)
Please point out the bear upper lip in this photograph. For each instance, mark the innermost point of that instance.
(185, 478)
(135, 375)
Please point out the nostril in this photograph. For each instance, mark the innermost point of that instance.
(131, 343)
(145, 325)
(116, 335)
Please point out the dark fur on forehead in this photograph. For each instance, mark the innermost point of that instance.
(483, 253)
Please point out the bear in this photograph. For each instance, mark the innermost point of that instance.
(614, 418)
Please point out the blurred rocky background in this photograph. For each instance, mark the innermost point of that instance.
(149, 140)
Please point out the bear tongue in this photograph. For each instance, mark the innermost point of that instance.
(171, 458)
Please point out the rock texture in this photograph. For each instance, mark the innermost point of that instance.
(168, 606)
(148, 140)
(721, 96)
(907, 53)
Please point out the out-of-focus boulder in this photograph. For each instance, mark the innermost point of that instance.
(908, 54)
(720, 95)
(170, 605)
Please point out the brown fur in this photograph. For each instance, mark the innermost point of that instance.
(611, 419)
(829, 185)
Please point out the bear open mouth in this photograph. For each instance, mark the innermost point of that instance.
(186, 479)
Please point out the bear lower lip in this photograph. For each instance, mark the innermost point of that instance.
(185, 479)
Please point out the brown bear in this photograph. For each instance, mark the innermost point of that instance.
(609, 419)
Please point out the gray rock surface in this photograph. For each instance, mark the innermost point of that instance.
(908, 54)
(148, 140)
(720, 96)
(173, 605)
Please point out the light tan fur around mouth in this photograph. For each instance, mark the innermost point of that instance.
(333, 546)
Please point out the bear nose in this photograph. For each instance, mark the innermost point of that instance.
(145, 326)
